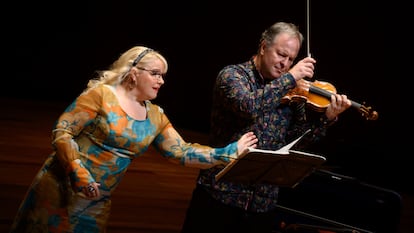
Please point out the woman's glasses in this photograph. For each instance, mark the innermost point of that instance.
(153, 73)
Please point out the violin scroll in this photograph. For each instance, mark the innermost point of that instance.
(367, 112)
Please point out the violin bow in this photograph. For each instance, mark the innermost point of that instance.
(365, 111)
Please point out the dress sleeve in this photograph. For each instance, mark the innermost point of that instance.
(69, 124)
(171, 145)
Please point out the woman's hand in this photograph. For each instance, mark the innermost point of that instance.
(92, 191)
(247, 140)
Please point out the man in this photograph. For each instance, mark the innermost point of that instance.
(251, 96)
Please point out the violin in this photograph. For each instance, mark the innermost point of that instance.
(318, 97)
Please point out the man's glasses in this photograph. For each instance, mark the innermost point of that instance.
(154, 73)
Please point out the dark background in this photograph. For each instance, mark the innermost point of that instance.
(53, 48)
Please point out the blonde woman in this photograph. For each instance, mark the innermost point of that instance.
(95, 139)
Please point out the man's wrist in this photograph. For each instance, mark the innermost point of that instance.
(327, 122)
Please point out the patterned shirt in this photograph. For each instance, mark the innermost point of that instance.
(243, 101)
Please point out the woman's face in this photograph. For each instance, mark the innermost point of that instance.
(150, 78)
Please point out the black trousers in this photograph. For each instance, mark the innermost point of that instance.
(207, 215)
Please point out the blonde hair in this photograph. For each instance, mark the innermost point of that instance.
(119, 69)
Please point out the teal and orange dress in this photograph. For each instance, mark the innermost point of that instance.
(95, 140)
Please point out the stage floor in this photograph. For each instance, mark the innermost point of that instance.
(152, 198)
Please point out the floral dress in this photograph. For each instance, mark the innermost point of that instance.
(95, 141)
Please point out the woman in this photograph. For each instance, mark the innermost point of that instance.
(95, 139)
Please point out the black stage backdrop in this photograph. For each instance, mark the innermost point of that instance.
(53, 48)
